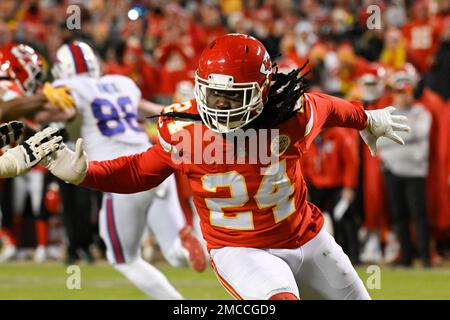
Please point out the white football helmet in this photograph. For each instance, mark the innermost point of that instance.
(73, 59)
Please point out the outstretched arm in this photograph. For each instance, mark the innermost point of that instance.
(329, 111)
(20, 159)
(21, 107)
(321, 110)
(128, 174)
(28, 106)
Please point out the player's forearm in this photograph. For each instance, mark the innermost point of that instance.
(21, 107)
(129, 174)
(101, 176)
(342, 113)
(51, 113)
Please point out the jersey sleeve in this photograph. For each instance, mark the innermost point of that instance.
(321, 111)
(135, 173)
(130, 174)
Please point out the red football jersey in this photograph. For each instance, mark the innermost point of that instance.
(245, 201)
(422, 37)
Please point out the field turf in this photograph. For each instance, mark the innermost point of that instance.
(23, 280)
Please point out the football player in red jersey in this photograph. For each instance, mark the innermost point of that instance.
(265, 240)
(21, 74)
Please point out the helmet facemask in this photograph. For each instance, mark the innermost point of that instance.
(245, 102)
(35, 81)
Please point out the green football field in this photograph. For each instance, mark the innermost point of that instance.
(49, 281)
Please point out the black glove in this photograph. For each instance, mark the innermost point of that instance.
(10, 132)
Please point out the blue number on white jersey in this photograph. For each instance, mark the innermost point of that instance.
(109, 120)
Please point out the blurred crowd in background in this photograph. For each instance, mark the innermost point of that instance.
(404, 61)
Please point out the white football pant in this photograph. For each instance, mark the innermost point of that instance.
(123, 218)
(317, 270)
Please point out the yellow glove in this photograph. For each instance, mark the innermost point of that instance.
(58, 96)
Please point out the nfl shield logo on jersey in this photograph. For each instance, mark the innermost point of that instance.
(280, 144)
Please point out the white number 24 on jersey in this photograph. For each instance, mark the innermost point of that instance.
(274, 191)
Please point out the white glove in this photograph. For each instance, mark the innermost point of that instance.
(380, 123)
(67, 165)
(20, 159)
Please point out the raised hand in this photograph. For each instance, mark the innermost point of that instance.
(68, 165)
(20, 159)
(381, 123)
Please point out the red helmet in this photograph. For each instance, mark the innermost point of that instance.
(21, 64)
(233, 64)
(372, 82)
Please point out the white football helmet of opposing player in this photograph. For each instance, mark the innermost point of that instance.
(73, 59)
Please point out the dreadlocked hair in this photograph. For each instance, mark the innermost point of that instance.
(284, 92)
(183, 116)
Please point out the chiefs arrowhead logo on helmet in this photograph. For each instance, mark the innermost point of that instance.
(266, 65)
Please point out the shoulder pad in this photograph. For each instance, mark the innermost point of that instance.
(167, 126)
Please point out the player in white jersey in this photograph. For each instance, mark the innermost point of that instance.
(108, 105)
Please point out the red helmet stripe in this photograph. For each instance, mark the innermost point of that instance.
(80, 62)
